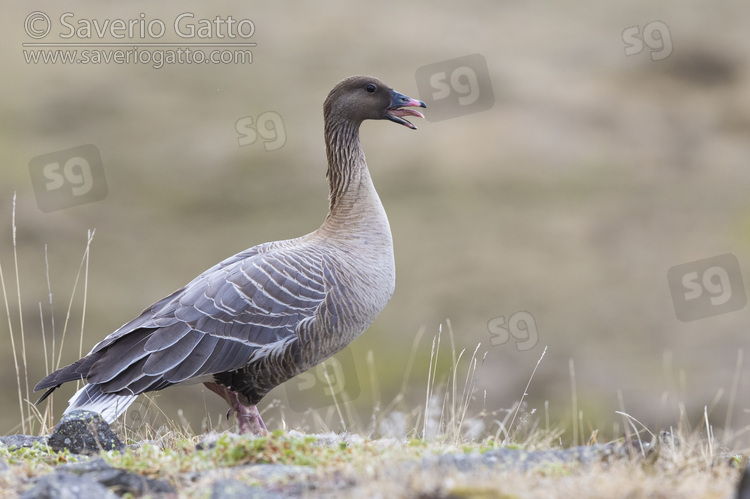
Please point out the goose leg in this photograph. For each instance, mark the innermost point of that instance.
(248, 417)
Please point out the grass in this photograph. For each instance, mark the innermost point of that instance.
(31, 420)
(372, 467)
(373, 459)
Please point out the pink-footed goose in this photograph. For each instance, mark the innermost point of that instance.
(269, 313)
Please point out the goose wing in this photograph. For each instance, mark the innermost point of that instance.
(242, 308)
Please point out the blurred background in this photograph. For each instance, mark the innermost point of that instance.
(576, 153)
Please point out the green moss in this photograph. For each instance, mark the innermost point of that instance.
(38, 457)
(417, 442)
(230, 450)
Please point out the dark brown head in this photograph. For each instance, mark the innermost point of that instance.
(360, 98)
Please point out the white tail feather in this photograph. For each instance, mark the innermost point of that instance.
(91, 398)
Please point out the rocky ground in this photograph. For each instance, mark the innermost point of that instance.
(85, 458)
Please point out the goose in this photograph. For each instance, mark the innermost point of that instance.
(269, 313)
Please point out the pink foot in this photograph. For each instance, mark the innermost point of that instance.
(248, 417)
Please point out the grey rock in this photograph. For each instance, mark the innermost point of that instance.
(17, 441)
(266, 472)
(517, 459)
(123, 482)
(83, 432)
(743, 487)
(63, 485)
(87, 466)
(119, 481)
(277, 480)
(234, 489)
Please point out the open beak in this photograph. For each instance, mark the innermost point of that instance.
(397, 110)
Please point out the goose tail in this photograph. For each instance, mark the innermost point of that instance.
(91, 398)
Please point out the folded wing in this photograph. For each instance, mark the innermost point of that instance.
(250, 303)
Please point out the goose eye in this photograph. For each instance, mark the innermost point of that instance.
(371, 87)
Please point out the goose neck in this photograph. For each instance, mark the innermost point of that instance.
(347, 168)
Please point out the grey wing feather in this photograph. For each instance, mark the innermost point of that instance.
(216, 323)
(190, 366)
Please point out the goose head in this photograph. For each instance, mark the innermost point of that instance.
(360, 98)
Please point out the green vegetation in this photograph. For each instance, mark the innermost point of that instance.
(191, 463)
(36, 458)
(184, 453)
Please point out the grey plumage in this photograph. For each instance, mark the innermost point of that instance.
(265, 315)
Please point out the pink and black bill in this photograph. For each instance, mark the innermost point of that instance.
(396, 111)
